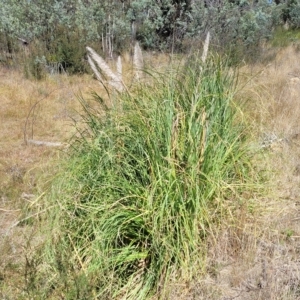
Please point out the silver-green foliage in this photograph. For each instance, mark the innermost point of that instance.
(156, 22)
(232, 22)
(294, 13)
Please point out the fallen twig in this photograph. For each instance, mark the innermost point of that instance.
(48, 144)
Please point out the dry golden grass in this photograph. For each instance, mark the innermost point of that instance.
(36, 110)
(255, 259)
(273, 93)
(22, 166)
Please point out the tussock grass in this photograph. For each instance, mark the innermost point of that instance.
(144, 187)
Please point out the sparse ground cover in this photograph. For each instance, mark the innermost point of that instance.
(23, 165)
(253, 255)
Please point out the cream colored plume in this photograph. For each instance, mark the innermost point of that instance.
(138, 62)
(113, 79)
(205, 48)
(94, 68)
(119, 67)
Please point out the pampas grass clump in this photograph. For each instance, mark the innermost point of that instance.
(145, 186)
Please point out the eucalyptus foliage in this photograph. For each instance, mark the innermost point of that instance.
(293, 11)
(167, 24)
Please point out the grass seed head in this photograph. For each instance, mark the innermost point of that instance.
(113, 79)
(205, 48)
(119, 67)
(138, 61)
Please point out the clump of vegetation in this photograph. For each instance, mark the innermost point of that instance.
(35, 67)
(283, 37)
(145, 185)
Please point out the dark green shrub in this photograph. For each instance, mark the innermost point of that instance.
(35, 67)
(35, 63)
(67, 49)
(294, 13)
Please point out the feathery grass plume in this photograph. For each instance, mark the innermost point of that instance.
(115, 80)
(94, 68)
(138, 61)
(119, 67)
(205, 48)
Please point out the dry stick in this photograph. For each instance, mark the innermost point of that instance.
(44, 143)
(103, 43)
(9, 210)
(109, 38)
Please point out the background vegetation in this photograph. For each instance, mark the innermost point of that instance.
(58, 31)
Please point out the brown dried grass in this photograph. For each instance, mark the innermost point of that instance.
(258, 259)
(22, 165)
(254, 259)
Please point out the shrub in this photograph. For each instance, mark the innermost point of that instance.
(294, 13)
(35, 67)
(66, 27)
(35, 63)
(66, 49)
